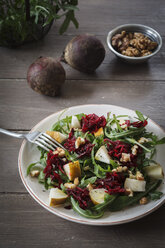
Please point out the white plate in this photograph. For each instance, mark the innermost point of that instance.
(29, 154)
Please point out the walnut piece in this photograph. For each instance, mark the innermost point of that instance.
(133, 44)
(59, 151)
(131, 52)
(143, 201)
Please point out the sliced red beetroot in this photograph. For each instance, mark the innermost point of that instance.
(139, 124)
(80, 195)
(113, 183)
(116, 148)
(70, 142)
(91, 123)
(54, 163)
(83, 150)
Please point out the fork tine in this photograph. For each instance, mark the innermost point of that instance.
(54, 141)
(48, 141)
(40, 140)
(40, 145)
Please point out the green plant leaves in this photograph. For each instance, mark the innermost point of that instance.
(15, 29)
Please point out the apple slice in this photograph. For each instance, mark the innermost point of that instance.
(135, 185)
(73, 170)
(102, 155)
(75, 122)
(97, 195)
(56, 197)
(154, 171)
(59, 137)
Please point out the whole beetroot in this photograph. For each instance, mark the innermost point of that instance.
(84, 53)
(46, 76)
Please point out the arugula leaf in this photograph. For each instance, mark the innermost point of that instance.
(41, 177)
(155, 195)
(114, 164)
(107, 202)
(117, 123)
(116, 135)
(85, 182)
(140, 115)
(133, 141)
(30, 167)
(161, 141)
(85, 213)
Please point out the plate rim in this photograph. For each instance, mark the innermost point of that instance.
(66, 217)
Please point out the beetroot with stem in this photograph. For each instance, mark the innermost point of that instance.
(84, 53)
(46, 76)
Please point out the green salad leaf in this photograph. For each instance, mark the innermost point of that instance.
(86, 213)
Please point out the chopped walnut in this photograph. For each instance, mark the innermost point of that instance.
(59, 151)
(131, 52)
(117, 39)
(124, 45)
(125, 157)
(132, 176)
(142, 140)
(145, 52)
(34, 173)
(143, 201)
(70, 185)
(140, 44)
(133, 44)
(129, 192)
(139, 176)
(152, 45)
(138, 35)
(120, 169)
(134, 149)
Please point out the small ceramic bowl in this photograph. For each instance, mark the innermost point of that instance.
(147, 31)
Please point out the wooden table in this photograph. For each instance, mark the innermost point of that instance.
(23, 222)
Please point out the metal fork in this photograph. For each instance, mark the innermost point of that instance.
(41, 139)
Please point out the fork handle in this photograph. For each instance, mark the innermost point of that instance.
(16, 135)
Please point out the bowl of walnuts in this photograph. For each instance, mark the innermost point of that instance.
(134, 43)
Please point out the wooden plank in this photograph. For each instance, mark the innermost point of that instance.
(10, 180)
(22, 108)
(26, 224)
(15, 62)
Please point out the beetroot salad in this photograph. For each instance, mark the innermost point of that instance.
(106, 164)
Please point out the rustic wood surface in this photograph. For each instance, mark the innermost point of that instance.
(23, 223)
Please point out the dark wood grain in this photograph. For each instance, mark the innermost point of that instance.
(23, 223)
(16, 62)
(10, 180)
(147, 96)
(109, 15)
